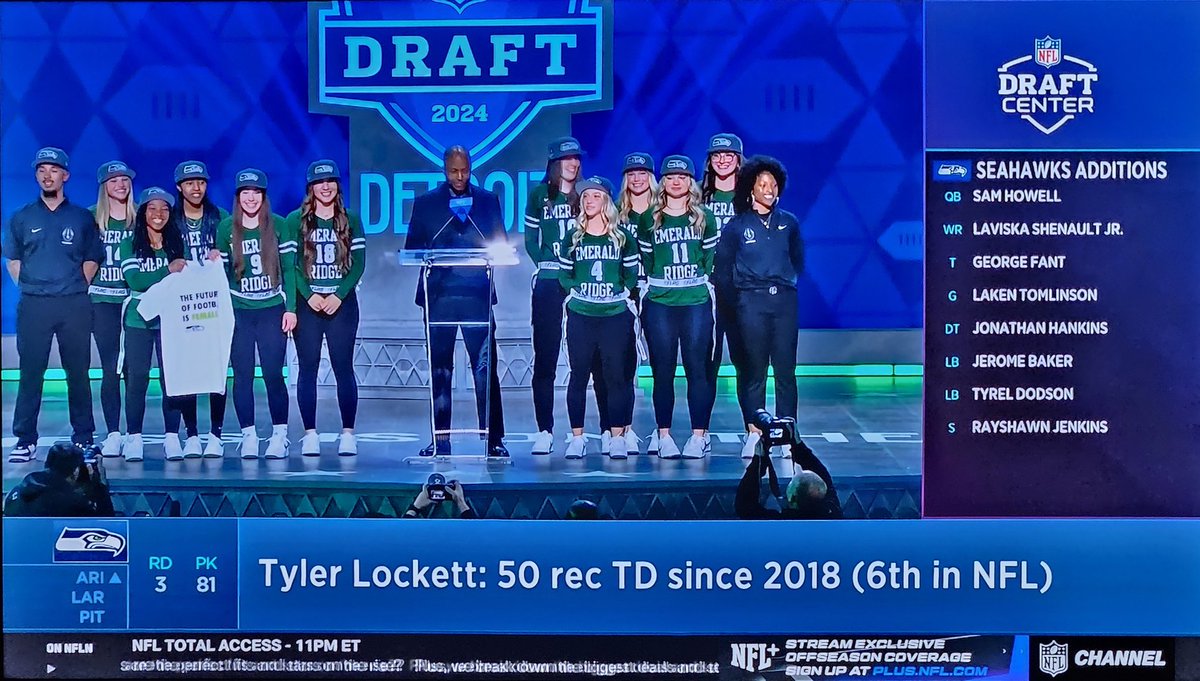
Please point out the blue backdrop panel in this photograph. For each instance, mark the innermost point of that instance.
(831, 88)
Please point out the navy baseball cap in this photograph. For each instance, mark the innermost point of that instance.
(113, 169)
(323, 169)
(64, 458)
(594, 182)
(725, 141)
(191, 170)
(156, 194)
(638, 161)
(564, 147)
(677, 164)
(52, 155)
(251, 178)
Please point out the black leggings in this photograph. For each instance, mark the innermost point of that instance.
(106, 328)
(140, 346)
(668, 329)
(261, 328)
(607, 343)
(727, 333)
(339, 331)
(769, 330)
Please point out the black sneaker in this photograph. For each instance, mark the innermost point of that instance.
(443, 449)
(23, 453)
(497, 451)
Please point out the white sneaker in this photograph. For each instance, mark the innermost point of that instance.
(133, 447)
(633, 440)
(214, 448)
(652, 447)
(606, 439)
(192, 448)
(277, 446)
(172, 448)
(618, 447)
(249, 444)
(310, 444)
(697, 447)
(111, 447)
(752, 440)
(667, 449)
(347, 445)
(543, 442)
(577, 447)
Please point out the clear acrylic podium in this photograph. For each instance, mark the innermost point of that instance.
(500, 255)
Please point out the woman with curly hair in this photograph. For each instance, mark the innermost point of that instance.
(759, 260)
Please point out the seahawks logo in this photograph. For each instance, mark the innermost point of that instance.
(323, 169)
(641, 160)
(89, 545)
(46, 153)
(245, 177)
(676, 164)
(117, 167)
(192, 168)
(722, 142)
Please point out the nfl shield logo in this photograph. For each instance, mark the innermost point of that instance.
(1052, 658)
(1047, 51)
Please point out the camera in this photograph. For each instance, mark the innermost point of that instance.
(435, 487)
(775, 431)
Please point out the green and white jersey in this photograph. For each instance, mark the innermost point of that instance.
(325, 275)
(598, 274)
(547, 223)
(677, 260)
(108, 286)
(193, 237)
(140, 274)
(631, 226)
(254, 289)
(721, 206)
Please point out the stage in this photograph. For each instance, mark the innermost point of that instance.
(866, 430)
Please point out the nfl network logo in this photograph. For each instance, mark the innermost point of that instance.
(469, 72)
(1047, 97)
(752, 657)
(1052, 658)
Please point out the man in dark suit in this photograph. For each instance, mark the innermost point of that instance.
(458, 214)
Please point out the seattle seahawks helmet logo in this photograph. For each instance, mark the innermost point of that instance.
(636, 159)
(469, 72)
(676, 164)
(192, 168)
(117, 167)
(47, 153)
(323, 169)
(721, 142)
(89, 545)
(246, 177)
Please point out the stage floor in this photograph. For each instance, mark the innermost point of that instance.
(867, 428)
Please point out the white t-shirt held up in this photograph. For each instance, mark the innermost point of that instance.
(196, 319)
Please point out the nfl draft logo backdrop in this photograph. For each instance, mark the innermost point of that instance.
(418, 76)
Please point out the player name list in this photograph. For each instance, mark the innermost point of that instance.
(1049, 284)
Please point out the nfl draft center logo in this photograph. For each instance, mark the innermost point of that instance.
(1052, 658)
(469, 72)
(1047, 88)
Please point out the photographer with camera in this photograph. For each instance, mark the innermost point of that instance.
(810, 494)
(436, 490)
(67, 487)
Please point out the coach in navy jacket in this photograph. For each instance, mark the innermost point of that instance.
(458, 214)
